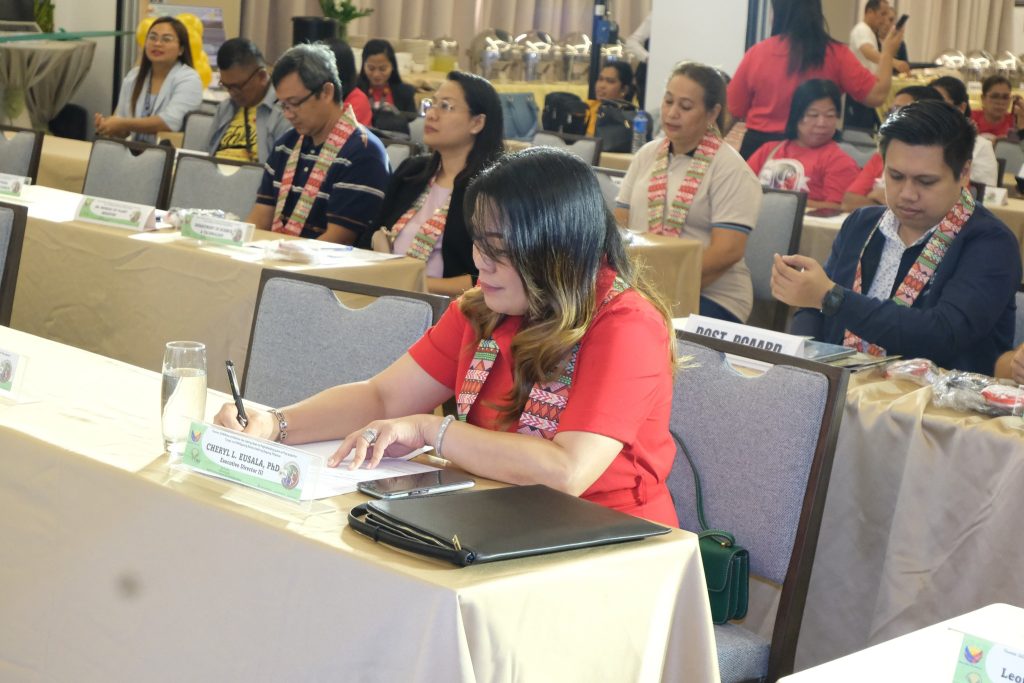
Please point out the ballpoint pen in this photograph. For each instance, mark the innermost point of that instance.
(243, 419)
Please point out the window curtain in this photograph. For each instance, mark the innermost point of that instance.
(268, 22)
(965, 25)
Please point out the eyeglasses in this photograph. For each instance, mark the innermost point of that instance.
(237, 87)
(443, 106)
(165, 38)
(294, 106)
(1003, 96)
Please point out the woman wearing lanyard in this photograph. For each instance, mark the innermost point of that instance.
(534, 355)
(690, 184)
(156, 95)
(422, 212)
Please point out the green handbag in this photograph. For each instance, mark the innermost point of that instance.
(726, 565)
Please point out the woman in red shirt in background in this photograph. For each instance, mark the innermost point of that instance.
(800, 49)
(809, 160)
(997, 117)
(561, 359)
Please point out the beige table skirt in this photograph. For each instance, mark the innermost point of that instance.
(144, 573)
(124, 295)
(673, 267)
(63, 163)
(921, 522)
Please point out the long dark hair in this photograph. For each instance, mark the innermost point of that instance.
(803, 23)
(956, 90)
(557, 233)
(489, 144)
(346, 63)
(145, 66)
(806, 94)
(378, 46)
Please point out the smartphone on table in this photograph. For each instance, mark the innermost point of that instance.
(420, 484)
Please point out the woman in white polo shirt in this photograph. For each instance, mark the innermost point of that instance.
(691, 184)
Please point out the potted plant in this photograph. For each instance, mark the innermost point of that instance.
(343, 11)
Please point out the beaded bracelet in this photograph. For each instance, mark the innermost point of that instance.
(282, 425)
(440, 434)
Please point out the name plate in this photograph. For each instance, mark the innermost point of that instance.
(756, 337)
(220, 230)
(996, 196)
(9, 375)
(12, 185)
(264, 465)
(116, 214)
(983, 661)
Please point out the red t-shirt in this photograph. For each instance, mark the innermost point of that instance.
(823, 172)
(622, 389)
(762, 89)
(865, 180)
(360, 104)
(984, 126)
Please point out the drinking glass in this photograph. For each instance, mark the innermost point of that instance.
(183, 394)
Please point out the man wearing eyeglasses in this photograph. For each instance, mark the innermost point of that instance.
(246, 125)
(326, 178)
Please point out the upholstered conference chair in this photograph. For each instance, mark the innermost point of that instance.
(304, 340)
(763, 447)
(778, 229)
(20, 150)
(201, 182)
(129, 172)
(196, 131)
(586, 148)
(12, 235)
(610, 180)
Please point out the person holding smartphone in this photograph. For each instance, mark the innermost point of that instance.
(932, 274)
(561, 358)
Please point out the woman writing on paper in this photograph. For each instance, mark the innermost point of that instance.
(534, 354)
(422, 214)
(690, 184)
(156, 94)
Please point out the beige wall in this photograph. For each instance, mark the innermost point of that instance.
(841, 15)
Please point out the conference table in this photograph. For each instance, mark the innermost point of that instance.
(125, 294)
(819, 233)
(118, 566)
(921, 521)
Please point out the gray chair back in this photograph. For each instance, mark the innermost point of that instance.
(416, 130)
(1012, 153)
(859, 136)
(399, 151)
(610, 180)
(778, 229)
(763, 447)
(129, 172)
(586, 148)
(1018, 336)
(20, 153)
(304, 340)
(197, 128)
(861, 155)
(201, 183)
(12, 236)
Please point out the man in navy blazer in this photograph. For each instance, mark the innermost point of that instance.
(958, 312)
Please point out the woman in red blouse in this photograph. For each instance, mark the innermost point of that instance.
(1001, 111)
(561, 358)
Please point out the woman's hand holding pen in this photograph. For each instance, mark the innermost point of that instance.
(261, 423)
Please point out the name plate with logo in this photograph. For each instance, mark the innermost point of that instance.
(219, 230)
(116, 214)
(996, 196)
(755, 337)
(983, 661)
(264, 465)
(11, 368)
(12, 185)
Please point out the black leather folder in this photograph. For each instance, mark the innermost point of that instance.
(496, 524)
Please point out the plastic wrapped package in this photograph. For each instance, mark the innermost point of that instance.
(918, 370)
(980, 393)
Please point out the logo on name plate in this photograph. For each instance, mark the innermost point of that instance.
(290, 476)
(972, 655)
(6, 370)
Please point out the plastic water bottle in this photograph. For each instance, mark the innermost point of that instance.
(641, 122)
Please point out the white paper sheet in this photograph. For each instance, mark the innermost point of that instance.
(336, 481)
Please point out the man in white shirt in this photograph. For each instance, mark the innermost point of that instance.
(864, 37)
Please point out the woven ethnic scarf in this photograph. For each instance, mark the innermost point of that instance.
(339, 135)
(924, 267)
(546, 401)
(670, 222)
(430, 231)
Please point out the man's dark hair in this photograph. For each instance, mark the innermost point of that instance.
(931, 123)
(873, 5)
(956, 90)
(921, 92)
(315, 65)
(239, 52)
